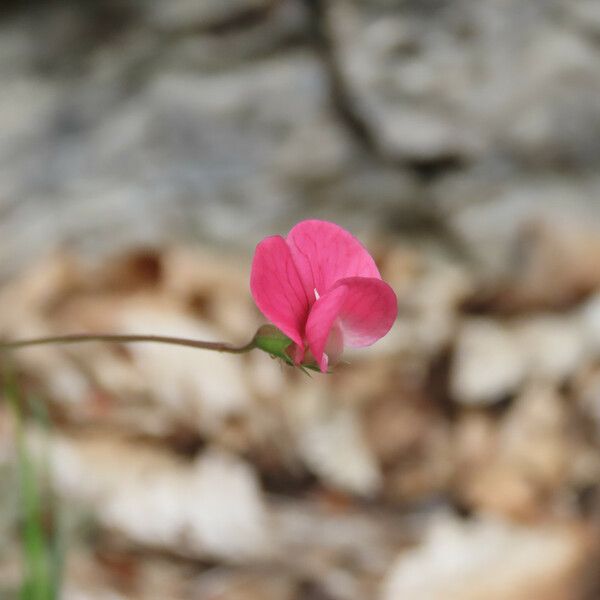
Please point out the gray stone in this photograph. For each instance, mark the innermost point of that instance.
(224, 121)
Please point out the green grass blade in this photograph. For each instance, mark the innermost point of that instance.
(39, 580)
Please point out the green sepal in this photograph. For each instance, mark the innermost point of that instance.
(274, 342)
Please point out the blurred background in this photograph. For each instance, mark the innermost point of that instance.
(146, 147)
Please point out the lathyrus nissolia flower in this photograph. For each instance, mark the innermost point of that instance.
(318, 285)
(322, 289)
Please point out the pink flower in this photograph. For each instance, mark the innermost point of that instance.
(322, 289)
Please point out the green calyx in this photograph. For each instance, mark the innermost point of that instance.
(271, 340)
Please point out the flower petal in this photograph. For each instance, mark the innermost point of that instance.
(324, 253)
(277, 289)
(364, 307)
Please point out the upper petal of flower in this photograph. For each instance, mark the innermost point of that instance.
(277, 289)
(324, 253)
(364, 307)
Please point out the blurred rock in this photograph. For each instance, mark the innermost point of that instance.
(244, 586)
(533, 241)
(121, 117)
(112, 575)
(587, 396)
(590, 324)
(115, 575)
(527, 465)
(464, 82)
(586, 15)
(183, 13)
(429, 299)
(487, 559)
(211, 507)
(214, 287)
(330, 440)
(483, 480)
(339, 565)
(535, 436)
(489, 363)
(493, 358)
(385, 61)
(554, 346)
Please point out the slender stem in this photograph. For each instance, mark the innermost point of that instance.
(158, 339)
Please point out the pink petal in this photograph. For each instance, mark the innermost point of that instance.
(324, 253)
(334, 347)
(277, 289)
(365, 309)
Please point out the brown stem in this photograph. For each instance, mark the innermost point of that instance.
(159, 339)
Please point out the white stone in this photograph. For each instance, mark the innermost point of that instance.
(213, 506)
(488, 363)
(554, 346)
(330, 441)
(590, 322)
(484, 559)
